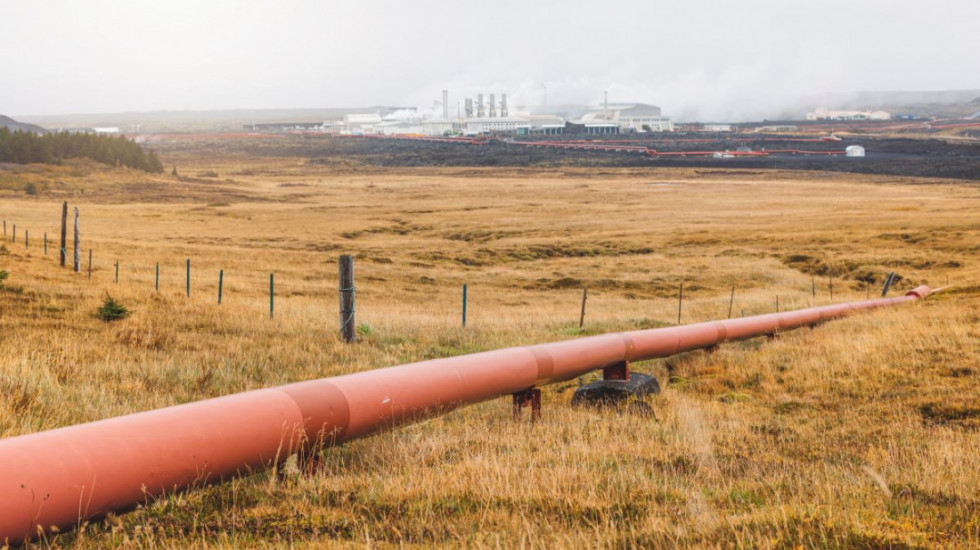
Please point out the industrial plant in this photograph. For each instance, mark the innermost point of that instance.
(827, 114)
(488, 114)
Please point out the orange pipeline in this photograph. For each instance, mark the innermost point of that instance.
(60, 478)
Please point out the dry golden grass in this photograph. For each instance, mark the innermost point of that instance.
(861, 433)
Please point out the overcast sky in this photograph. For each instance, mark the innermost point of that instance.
(715, 59)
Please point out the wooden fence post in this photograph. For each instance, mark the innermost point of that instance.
(64, 233)
(156, 284)
(680, 303)
(221, 282)
(347, 328)
(581, 317)
(78, 251)
(272, 295)
(117, 272)
(464, 305)
(188, 277)
(89, 264)
(888, 284)
(45, 243)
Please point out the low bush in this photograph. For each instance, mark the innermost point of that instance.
(111, 310)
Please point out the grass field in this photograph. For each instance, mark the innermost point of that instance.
(864, 432)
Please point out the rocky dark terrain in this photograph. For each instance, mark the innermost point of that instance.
(891, 156)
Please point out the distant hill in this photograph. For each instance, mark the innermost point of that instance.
(230, 120)
(6, 121)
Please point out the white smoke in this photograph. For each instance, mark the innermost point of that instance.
(404, 115)
(733, 95)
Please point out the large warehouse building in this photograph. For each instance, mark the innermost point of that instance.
(826, 114)
(629, 117)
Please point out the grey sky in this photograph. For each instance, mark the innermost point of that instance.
(716, 59)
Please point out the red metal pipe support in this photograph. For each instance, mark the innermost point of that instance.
(619, 371)
(530, 397)
(59, 478)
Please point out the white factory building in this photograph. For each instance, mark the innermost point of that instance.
(398, 128)
(487, 125)
(362, 123)
(592, 126)
(400, 123)
(441, 127)
(548, 125)
(716, 127)
(488, 114)
(826, 114)
(629, 117)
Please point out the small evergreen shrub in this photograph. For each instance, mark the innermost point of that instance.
(111, 310)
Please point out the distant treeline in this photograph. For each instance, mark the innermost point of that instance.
(25, 147)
